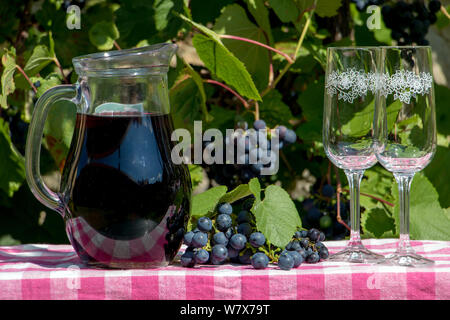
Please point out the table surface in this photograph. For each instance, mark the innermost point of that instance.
(39, 271)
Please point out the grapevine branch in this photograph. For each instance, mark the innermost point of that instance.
(26, 77)
(294, 57)
(56, 61)
(445, 12)
(286, 56)
(245, 103)
(374, 197)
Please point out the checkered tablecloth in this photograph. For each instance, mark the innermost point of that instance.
(54, 272)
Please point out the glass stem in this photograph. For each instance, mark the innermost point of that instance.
(354, 179)
(404, 186)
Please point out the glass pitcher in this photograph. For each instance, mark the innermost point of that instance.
(124, 202)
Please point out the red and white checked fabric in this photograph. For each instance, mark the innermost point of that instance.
(55, 272)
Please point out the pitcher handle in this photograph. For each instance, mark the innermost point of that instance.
(33, 144)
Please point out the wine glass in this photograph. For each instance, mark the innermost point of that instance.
(405, 129)
(350, 95)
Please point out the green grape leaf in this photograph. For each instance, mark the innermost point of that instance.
(225, 65)
(9, 67)
(12, 164)
(311, 130)
(186, 101)
(427, 219)
(204, 203)
(222, 118)
(39, 59)
(286, 10)
(162, 10)
(261, 14)
(234, 21)
(196, 173)
(201, 89)
(241, 191)
(439, 175)
(378, 222)
(276, 216)
(377, 182)
(274, 110)
(328, 8)
(255, 189)
(103, 34)
(59, 128)
(51, 80)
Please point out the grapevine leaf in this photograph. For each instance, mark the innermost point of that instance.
(241, 191)
(261, 14)
(274, 110)
(221, 62)
(201, 89)
(427, 219)
(205, 202)
(276, 216)
(196, 174)
(377, 221)
(225, 65)
(38, 60)
(222, 118)
(439, 175)
(12, 164)
(9, 67)
(286, 10)
(234, 21)
(162, 10)
(255, 188)
(59, 128)
(328, 8)
(311, 130)
(103, 34)
(186, 101)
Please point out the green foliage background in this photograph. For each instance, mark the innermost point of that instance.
(35, 41)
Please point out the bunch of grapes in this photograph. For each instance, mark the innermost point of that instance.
(409, 22)
(259, 153)
(320, 211)
(233, 237)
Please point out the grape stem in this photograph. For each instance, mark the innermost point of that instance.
(56, 61)
(445, 12)
(286, 56)
(116, 45)
(245, 103)
(26, 77)
(375, 198)
(297, 49)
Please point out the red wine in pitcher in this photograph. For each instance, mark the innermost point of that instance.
(127, 203)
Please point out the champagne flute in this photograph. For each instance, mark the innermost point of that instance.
(350, 94)
(405, 129)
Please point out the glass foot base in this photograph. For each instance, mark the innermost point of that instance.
(407, 260)
(356, 254)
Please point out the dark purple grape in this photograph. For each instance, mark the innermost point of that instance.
(187, 259)
(219, 252)
(257, 239)
(223, 222)
(238, 241)
(201, 256)
(244, 216)
(285, 261)
(220, 238)
(298, 258)
(199, 240)
(259, 124)
(259, 260)
(245, 229)
(204, 224)
(225, 208)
